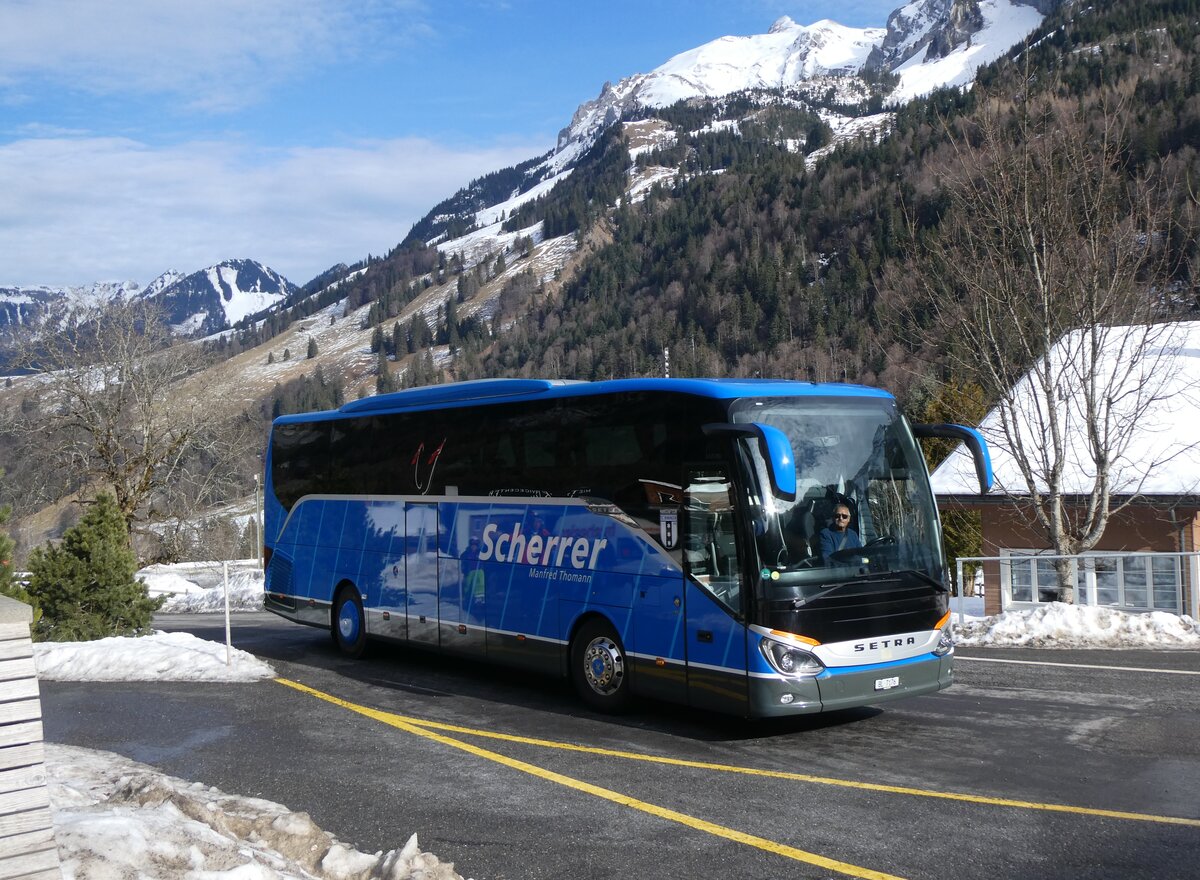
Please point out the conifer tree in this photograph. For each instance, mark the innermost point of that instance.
(8, 584)
(6, 553)
(85, 586)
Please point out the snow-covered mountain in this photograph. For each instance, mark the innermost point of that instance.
(22, 306)
(218, 297)
(955, 36)
(825, 68)
(199, 303)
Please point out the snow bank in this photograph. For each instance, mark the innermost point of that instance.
(199, 587)
(245, 594)
(167, 583)
(163, 656)
(1057, 625)
(116, 818)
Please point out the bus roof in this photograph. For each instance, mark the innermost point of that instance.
(488, 391)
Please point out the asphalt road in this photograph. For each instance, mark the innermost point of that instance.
(1021, 770)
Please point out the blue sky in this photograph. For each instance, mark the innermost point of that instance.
(145, 135)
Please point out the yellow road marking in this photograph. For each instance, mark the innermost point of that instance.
(805, 777)
(796, 777)
(417, 728)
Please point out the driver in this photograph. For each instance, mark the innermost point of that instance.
(838, 535)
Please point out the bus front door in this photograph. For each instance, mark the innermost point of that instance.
(421, 571)
(714, 594)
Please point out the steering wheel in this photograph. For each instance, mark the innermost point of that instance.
(846, 554)
(880, 541)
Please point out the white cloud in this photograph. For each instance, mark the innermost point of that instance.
(220, 54)
(85, 209)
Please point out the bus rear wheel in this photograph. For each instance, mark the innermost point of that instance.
(599, 669)
(349, 623)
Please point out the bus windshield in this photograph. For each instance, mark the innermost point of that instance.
(863, 504)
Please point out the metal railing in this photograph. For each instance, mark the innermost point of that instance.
(1087, 570)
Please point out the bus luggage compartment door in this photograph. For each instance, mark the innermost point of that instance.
(421, 571)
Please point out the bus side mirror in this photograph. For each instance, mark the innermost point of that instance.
(776, 451)
(972, 439)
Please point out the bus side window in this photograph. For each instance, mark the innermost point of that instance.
(709, 536)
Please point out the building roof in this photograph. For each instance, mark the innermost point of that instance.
(1149, 378)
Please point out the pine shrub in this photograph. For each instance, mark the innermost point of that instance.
(9, 585)
(85, 585)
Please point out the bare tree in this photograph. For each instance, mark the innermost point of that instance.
(107, 413)
(1047, 280)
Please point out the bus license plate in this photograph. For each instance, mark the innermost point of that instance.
(883, 684)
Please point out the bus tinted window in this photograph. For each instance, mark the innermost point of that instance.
(625, 449)
(299, 461)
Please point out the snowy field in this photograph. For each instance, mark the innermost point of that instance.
(115, 818)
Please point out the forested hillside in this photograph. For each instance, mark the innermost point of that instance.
(775, 266)
(769, 253)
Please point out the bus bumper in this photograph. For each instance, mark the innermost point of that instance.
(849, 689)
(846, 689)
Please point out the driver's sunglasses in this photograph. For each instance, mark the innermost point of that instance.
(841, 516)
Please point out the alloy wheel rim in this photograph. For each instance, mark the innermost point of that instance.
(603, 666)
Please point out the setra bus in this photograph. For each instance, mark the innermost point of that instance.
(654, 537)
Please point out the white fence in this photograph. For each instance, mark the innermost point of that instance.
(1136, 582)
(27, 848)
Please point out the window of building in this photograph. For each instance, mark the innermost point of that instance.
(1132, 581)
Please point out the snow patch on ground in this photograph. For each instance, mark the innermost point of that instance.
(1057, 625)
(163, 656)
(245, 594)
(116, 819)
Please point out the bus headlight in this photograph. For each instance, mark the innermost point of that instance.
(945, 642)
(790, 661)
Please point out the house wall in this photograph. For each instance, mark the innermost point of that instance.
(1136, 529)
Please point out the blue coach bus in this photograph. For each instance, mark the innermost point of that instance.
(654, 537)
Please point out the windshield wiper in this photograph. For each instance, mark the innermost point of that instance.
(897, 574)
(857, 580)
(821, 593)
(922, 576)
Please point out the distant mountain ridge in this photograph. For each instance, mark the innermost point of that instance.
(24, 306)
(196, 304)
(840, 63)
(218, 297)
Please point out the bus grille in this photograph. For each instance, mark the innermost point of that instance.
(278, 583)
(860, 610)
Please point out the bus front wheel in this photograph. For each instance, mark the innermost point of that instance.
(349, 623)
(599, 668)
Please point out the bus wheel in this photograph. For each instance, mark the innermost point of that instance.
(598, 667)
(349, 623)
